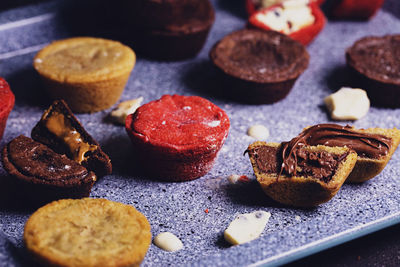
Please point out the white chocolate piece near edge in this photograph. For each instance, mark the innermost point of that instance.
(125, 108)
(258, 132)
(246, 227)
(348, 104)
(168, 242)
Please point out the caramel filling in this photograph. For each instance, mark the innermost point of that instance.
(60, 127)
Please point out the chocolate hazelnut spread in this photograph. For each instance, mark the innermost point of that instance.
(366, 145)
(59, 126)
(36, 160)
(319, 164)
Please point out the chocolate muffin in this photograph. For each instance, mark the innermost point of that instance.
(44, 174)
(60, 130)
(170, 29)
(259, 67)
(300, 176)
(374, 62)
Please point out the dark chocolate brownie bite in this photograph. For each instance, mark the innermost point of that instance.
(44, 173)
(60, 130)
(171, 29)
(257, 66)
(374, 60)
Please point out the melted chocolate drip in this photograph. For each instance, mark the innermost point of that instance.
(366, 145)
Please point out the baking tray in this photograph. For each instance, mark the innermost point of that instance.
(180, 207)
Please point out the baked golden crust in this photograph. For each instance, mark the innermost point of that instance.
(88, 73)
(301, 191)
(366, 168)
(87, 232)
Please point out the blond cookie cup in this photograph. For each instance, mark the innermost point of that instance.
(301, 190)
(367, 168)
(88, 73)
(87, 232)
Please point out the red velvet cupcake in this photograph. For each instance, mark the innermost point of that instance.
(178, 137)
(7, 100)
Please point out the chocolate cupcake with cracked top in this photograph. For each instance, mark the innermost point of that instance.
(374, 60)
(43, 173)
(61, 131)
(300, 176)
(259, 67)
(178, 137)
(171, 29)
(374, 146)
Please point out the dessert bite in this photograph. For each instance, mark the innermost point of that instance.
(170, 29)
(374, 146)
(60, 130)
(178, 137)
(45, 173)
(259, 67)
(299, 175)
(87, 232)
(298, 19)
(356, 9)
(7, 100)
(88, 73)
(374, 63)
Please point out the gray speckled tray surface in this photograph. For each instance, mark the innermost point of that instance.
(179, 207)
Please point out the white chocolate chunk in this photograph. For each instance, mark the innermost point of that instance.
(246, 227)
(168, 241)
(258, 132)
(348, 104)
(124, 109)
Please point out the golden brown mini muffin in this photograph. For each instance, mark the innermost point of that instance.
(319, 172)
(87, 232)
(88, 73)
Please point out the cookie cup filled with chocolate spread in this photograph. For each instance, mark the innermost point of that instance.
(374, 146)
(177, 137)
(375, 65)
(88, 73)
(309, 176)
(258, 67)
